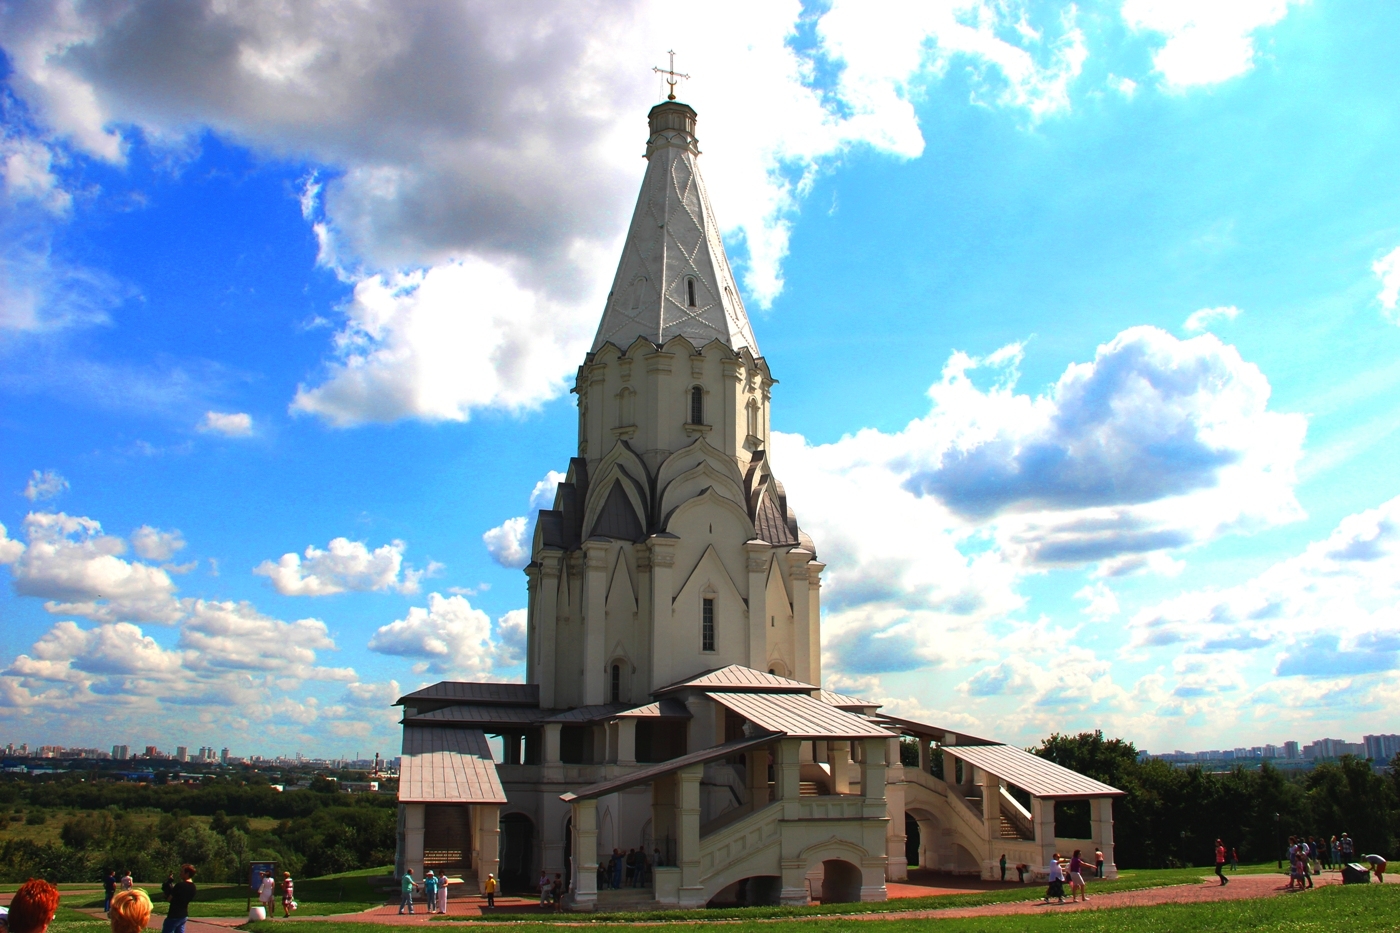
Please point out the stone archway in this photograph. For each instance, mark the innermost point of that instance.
(841, 882)
(517, 871)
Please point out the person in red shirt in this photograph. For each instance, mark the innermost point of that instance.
(1220, 862)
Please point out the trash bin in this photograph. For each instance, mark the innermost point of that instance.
(1356, 873)
(256, 913)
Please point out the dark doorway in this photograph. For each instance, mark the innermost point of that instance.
(911, 840)
(841, 882)
(568, 852)
(517, 853)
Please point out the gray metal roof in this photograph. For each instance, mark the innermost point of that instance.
(798, 715)
(923, 729)
(842, 701)
(464, 692)
(588, 713)
(447, 765)
(1032, 773)
(486, 715)
(661, 709)
(738, 677)
(652, 772)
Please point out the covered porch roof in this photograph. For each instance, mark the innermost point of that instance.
(1041, 778)
(447, 765)
(799, 716)
(651, 773)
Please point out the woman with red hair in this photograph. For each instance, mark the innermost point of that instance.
(33, 907)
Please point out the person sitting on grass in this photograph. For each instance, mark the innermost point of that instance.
(33, 906)
(130, 912)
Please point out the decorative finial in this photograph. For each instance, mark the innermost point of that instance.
(672, 76)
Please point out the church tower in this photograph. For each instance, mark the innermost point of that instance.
(671, 549)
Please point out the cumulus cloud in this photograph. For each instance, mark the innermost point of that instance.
(10, 550)
(1327, 612)
(343, 565)
(154, 544)
(1206, 318)
(46, 485)
(450, 211)
(1100, 602)
(229, 424)
(1156, 445)
(1387, 269)
(1206, 42)
(450, 636)
(508, 543)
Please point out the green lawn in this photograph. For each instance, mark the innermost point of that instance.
(1126, 881)
(1335, 909)
(316, 897)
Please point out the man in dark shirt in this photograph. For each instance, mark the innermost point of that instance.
(109, 888)
(180, 897)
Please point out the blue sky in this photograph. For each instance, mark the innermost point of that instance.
(1085, 321)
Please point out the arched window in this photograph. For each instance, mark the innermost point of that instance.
(617, 683)
(753, 418)
(707, 625)
(690, 292)
(697, 405)
(625, 407)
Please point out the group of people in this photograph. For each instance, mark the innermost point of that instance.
(434, 888)
(1073, 871)
(631, 868)
(1308, 856)
(128, 910)
(1022, 869)
(551, 890)
(267, 895)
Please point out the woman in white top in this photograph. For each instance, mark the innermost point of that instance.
(1056, 887)
(265, 893)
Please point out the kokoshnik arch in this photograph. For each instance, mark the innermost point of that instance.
(672, 699)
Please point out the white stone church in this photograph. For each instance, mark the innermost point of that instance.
(672, 700)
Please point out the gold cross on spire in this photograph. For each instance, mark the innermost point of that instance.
(672, 76)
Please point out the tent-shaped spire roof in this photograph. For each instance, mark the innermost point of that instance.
(674, 279)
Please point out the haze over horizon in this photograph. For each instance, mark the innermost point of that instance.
(1084, 318)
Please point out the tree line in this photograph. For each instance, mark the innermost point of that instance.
(151, 830)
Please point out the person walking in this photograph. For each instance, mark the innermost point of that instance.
(180, 897)
(289, 901)
(1098, 863)
(1234, 859)
(490, 890)
(131, 911)
(1003, 868)
(1076, 878)
(267, 889)
(1220, 862)
(1056, 887)
(430, 886)
(109, 889)
(406, 886)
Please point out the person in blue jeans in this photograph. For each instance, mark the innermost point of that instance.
(180, 897)
(406, 887)
(109, 888)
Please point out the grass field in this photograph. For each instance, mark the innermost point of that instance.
(334, 894)
(1335, 909)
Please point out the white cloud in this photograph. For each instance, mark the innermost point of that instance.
(1205, 318)
(452, 637)
(1100, 602)
(450, 212)
(26, 170)
(1206, 41)
(1387, 269)
(154, 544)
(343, 565)
(46, 485)
(10, 550)
(508, 543)
(1125, 86)
(1156, 445)
(229, 424)
(236, 636)
(542, 496)
(1330, 611)
(69, 560)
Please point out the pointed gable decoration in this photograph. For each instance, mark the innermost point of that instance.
(674, 278)
(618, 519)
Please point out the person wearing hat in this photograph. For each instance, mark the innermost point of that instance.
(430, 888)
(490, 891)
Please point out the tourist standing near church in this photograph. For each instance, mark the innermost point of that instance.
(430, 889)
(1220, 862)
(180, 897)
(490, 890)
(266, 894)
(406, 886)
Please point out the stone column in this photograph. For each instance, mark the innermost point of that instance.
(594, 620)
(627, 741)
(692, 892)
(787, 775)
(1103, 833)
(758, 553)
(814, 620)
(486, 824)
(583, 867)
(991, 823)
(663, 558)
(546, 624)
(797, 560)
(756, 773)
(897, 864)
(1043, 814)
(872, 775)
(413, 839)
(925, 758)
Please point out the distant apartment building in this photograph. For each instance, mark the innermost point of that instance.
(223, 755)
(121, 752)
(182, 753)
(50, 751)
(1291, 751)
(1381, 748)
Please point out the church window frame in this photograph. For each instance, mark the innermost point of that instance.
(690, 293)
(697, 404)
(708, 640)
(615, 685)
